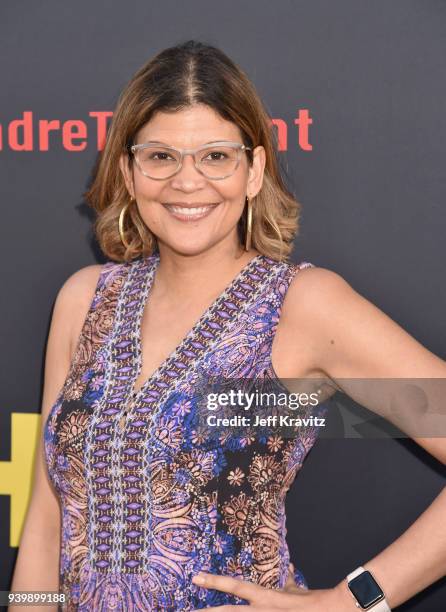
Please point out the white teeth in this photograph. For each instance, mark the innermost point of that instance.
(189, 211)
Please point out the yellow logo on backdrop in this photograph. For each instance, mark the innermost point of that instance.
(16, 474)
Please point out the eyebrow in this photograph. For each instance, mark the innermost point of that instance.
(160, 142)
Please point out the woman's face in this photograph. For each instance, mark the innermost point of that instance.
(160, 201)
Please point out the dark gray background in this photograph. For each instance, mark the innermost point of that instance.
(373, 192)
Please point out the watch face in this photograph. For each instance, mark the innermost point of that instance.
(366, 590)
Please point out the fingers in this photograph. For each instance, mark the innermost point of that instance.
(227, 584)
(255, 595)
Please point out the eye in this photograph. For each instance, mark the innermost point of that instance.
(217, 155)
(160, 155)
(156, 156)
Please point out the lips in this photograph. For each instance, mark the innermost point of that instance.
(189, 211)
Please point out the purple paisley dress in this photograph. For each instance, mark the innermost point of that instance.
(147, 500)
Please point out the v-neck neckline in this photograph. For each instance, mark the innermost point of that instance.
(152, 263)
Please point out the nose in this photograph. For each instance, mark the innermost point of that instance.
(188, 178)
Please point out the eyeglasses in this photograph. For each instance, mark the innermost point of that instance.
(215, 161)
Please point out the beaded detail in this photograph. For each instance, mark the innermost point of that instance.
(147, 499)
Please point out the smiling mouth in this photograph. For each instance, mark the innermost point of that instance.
(190, 213)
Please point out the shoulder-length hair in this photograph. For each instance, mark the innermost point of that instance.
(174, 79)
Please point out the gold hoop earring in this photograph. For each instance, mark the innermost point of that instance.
(248, 224)
(121, 223)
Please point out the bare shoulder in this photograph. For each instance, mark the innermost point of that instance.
(70, 309)
(322, 302)
(80, 286)
(346, 335)
(314, 291)
(74, 299)
(309, 322)
(318, 280)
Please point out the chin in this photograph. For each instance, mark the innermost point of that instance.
(188, 249)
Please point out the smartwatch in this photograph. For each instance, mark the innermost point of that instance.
(366, 592)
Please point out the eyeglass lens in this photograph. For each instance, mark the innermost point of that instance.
(159, 162)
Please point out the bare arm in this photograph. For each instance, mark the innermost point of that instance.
(352, 339)
(37, 566)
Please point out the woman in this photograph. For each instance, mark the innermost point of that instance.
(196, 218)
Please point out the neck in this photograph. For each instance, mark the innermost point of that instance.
(182, 276)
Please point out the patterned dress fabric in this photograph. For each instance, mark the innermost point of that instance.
(147, 498)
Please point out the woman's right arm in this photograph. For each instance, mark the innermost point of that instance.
(37, 565)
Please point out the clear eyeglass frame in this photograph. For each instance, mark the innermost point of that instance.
(183, 152)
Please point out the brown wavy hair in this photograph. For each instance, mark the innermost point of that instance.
(178, 77)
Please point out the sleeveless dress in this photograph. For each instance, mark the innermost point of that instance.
(147, 498)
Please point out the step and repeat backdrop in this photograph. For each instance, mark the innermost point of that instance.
(356, 92)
